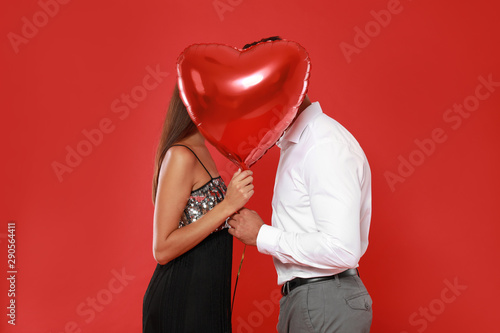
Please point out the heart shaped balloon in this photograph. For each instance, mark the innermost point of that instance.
(243, 100)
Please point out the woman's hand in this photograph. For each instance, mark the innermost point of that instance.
(239, 190)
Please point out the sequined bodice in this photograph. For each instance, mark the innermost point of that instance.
(202, 200)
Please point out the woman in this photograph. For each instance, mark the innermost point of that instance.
(190, 290)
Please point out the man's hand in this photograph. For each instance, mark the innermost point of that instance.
(245, 226)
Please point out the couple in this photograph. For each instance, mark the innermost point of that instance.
(320, 223)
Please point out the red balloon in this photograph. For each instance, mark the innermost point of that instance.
(243, 100)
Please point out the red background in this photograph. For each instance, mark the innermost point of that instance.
(439, 226)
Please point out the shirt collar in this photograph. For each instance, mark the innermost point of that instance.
(294, 132)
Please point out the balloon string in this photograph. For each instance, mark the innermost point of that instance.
(237, 276)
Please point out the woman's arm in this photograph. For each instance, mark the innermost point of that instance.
(174, 188)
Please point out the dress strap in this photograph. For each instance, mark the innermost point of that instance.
(196, 158)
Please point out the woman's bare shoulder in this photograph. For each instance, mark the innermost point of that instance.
(178, 159)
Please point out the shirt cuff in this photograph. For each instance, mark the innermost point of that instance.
(267, 239)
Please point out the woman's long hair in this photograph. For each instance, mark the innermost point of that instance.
(177, 126)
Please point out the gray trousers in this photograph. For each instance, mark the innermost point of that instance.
(340, 305)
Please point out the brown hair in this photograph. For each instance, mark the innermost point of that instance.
(177, 126)
(262, 41)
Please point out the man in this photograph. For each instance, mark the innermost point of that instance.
(320, 223)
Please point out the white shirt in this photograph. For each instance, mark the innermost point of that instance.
(322, 200)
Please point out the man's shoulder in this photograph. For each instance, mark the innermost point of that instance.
(326, 135)
(325, 128)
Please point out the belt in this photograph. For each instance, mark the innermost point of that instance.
(294, 283)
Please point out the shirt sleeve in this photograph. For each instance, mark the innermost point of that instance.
(332, 176)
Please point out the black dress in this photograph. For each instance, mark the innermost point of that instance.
(192, 293)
